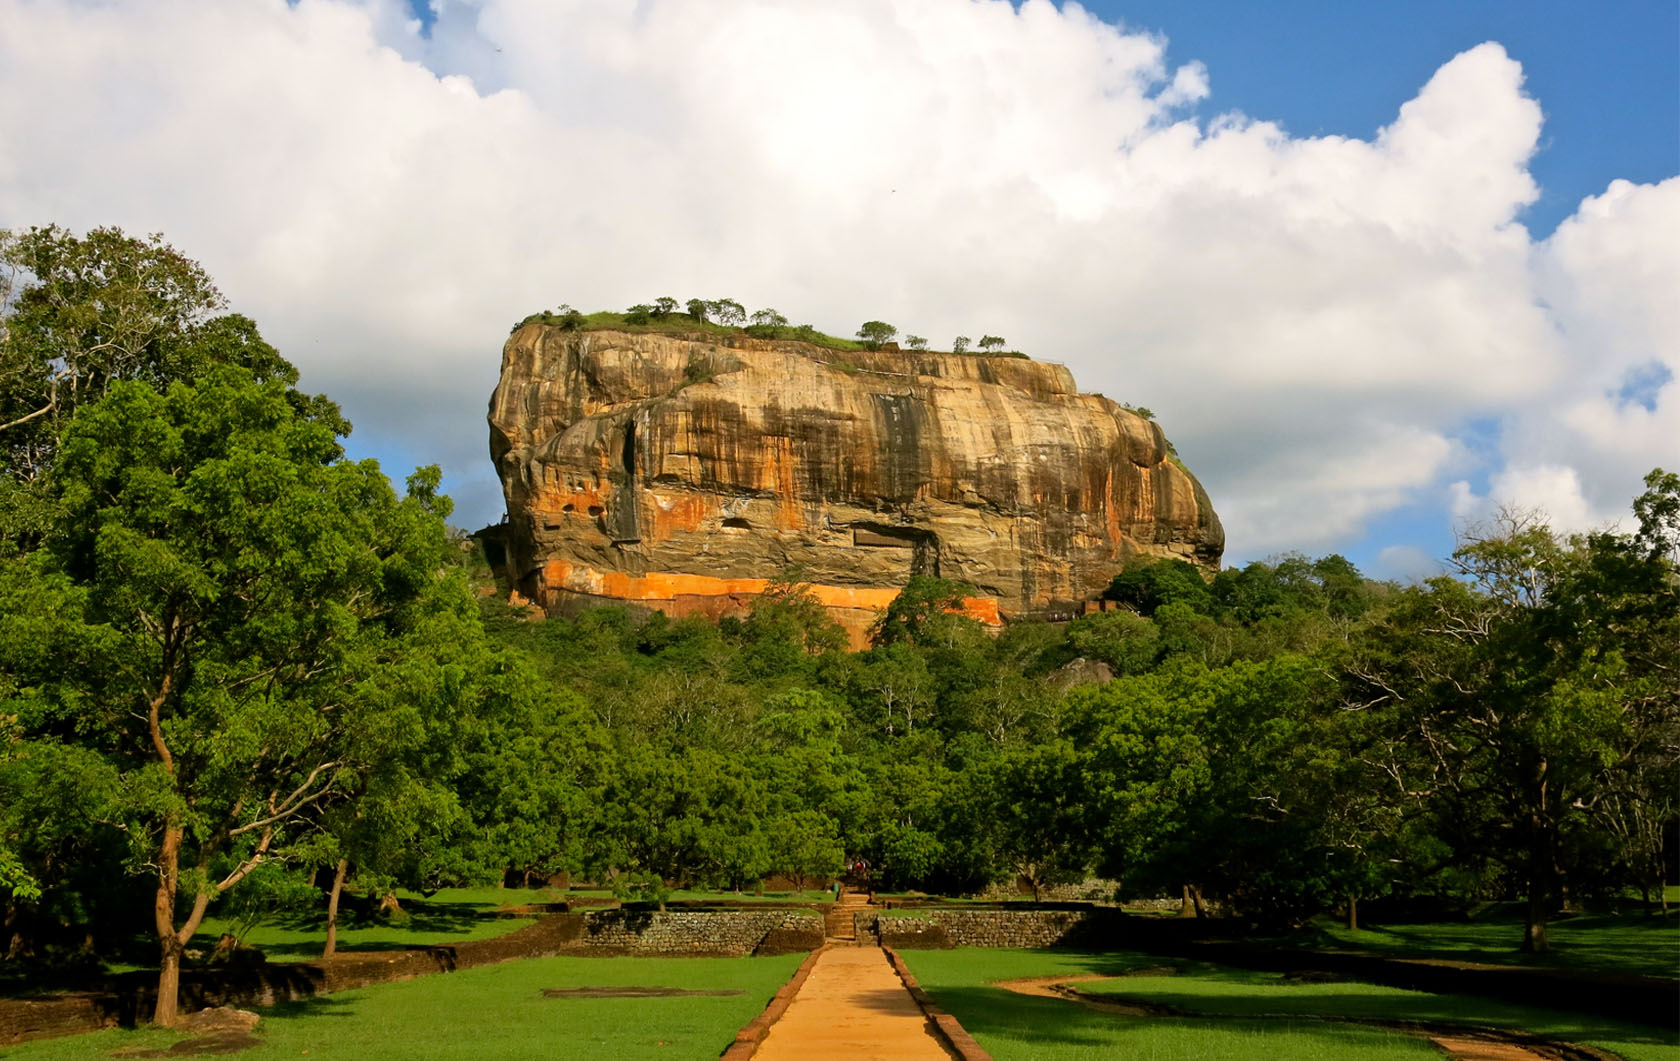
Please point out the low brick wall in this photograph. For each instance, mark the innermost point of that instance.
(24, 1019)
(931, 928)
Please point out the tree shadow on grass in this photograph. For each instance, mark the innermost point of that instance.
(339, 1005)
(429, 924)
(992, 1015)
(1416, 1013)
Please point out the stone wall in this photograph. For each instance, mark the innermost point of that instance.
(721, 933)
(930, 928)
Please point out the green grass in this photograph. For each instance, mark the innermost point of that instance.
(1014, 1026)
(1628, 943)
(500, 1012)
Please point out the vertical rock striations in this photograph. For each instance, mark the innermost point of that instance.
(685, 473)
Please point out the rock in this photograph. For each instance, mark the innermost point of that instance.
(684, 473)
(218, 1019)
(1081, 671)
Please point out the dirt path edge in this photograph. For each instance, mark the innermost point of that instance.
(952, 1035)
(747, 1040)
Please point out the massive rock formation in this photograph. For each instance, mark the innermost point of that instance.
(684, 473)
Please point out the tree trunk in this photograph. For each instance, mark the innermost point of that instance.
(168, 1010)
(1185, 909)
(332, 908)
(1196, 897)
(1534, 926)
(1540, 863)
(1353, 913)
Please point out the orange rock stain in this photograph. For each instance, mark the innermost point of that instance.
(1111, 516)
(778, 476)
(683, 513)
(656, 587)
(1144, 511)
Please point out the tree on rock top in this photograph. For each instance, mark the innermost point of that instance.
(876, 333)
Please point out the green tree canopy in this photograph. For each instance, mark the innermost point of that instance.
(87, 312)
(254, 607)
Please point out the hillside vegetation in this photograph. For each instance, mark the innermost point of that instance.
(720, 319)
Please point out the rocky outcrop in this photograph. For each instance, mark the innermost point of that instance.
(685, 473)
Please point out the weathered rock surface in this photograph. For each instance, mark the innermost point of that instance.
(684, 474)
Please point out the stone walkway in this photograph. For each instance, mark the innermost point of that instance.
(854, 1006)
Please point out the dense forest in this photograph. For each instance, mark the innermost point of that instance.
(236, 666)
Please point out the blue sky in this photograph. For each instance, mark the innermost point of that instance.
(1374, 275)
(1607, 75)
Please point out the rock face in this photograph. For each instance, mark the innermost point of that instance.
(685, 474)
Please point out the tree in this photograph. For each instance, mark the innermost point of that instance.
(769, 318)
(915, 342)
(640, 313)
(88, 312)
(876, 334)
(786, 626)
(250, 594)
(664, 307)
(921, 612)
(1532, 697)
(1038, 814)
(895, 679)
(727, 311)
(991, 344)
(959, 345)
(1126, 642)
(1150, 583)
(699, 309)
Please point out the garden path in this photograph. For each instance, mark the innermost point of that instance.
(852, 1006)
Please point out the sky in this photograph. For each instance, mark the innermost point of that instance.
(1377, 268)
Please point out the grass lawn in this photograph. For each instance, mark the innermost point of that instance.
(1628, 942)
(500, 1012)
(1013, 1026)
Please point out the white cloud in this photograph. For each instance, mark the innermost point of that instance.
(1314, 318)
(1406, 564)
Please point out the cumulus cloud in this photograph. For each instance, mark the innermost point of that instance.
(1314, 319)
